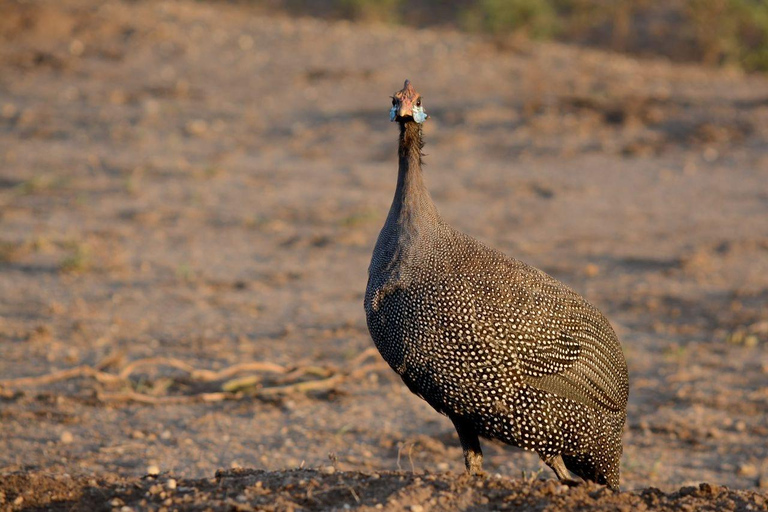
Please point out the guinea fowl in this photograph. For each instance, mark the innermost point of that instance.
(501, 348)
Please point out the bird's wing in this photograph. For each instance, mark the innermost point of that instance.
(564, 345)
(581, 360)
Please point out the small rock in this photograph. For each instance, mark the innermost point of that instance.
(19, 500)
(710, 154)
(197, 127)
(67, 437)
(76, 47)
(171, 483)
(748, 470)
(327, 470)
(9, 110)
(117, 502)
(709, 489)
(417, 508)
(153, 470)
(118, 97)
(245, 42)
(126, 508)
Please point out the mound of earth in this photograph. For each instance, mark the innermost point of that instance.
(328, 489)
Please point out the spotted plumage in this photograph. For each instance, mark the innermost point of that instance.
(501, 348)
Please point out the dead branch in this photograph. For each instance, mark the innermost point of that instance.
(200, 374)
(302, 387)
(327, 379)
(69, 373)
(133, 396)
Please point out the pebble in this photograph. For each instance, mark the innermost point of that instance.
(748, 470)
(245, 42)
(76, 47)
(327, 470)
(197, 127)
(153, 470)
(417, 508)
(709, 489)
(9, 110)
(67, 437)
(171, 483)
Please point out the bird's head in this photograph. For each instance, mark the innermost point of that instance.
(406, 105)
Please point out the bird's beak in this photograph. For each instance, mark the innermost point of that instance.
(405, 107)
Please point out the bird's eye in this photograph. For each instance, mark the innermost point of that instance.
(418, 102)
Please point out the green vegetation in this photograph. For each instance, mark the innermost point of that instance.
(722, 32)
(534, 18)
(79, 259)
(731, 31)
(711, 31)
(372, 10)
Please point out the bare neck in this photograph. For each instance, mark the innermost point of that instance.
(412, 208)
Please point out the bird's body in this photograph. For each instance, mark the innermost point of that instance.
(504, 350)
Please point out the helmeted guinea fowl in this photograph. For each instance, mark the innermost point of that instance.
(503, 349)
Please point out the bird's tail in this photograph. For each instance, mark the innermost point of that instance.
(587, 467)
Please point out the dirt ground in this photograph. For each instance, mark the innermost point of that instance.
(189, 196)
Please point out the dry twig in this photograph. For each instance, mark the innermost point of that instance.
(328, 379)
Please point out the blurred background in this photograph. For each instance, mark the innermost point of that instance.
(190, 192)
(715, 32)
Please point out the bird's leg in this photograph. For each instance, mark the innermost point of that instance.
(470, 443)
(558, 466)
